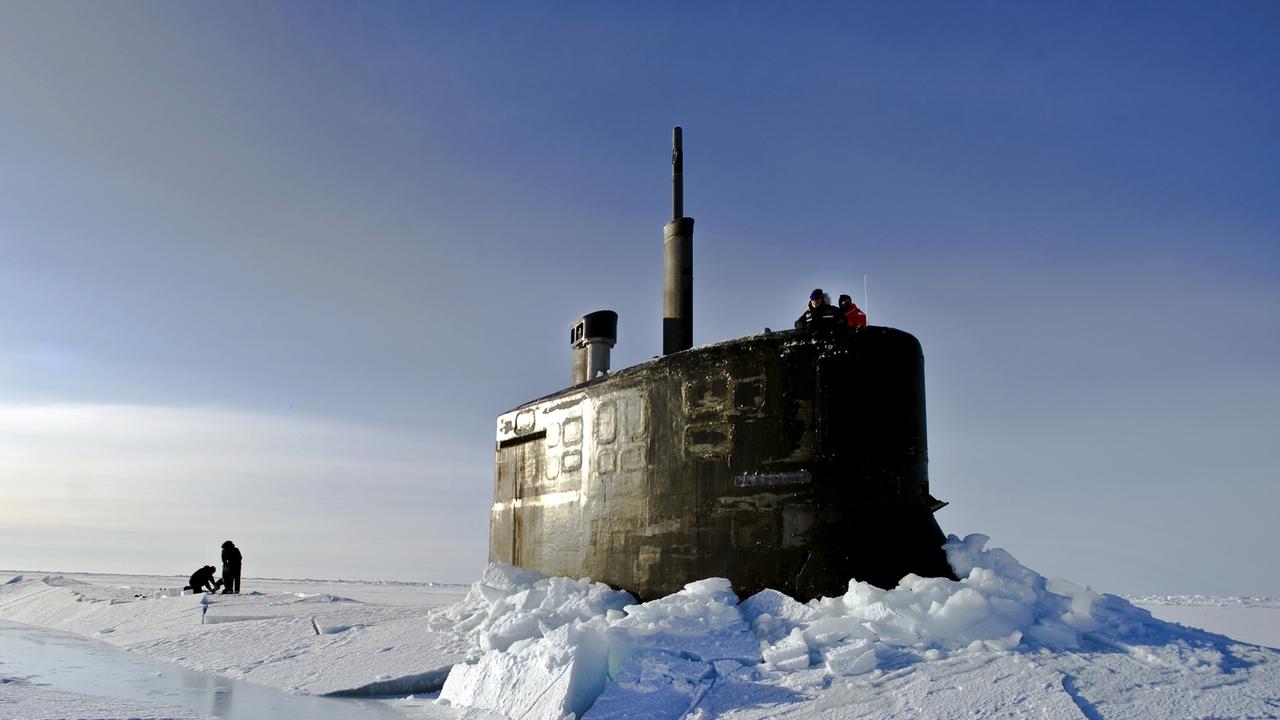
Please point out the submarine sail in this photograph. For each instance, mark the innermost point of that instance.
(792, 460)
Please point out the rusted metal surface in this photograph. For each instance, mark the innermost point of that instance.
(792, 460)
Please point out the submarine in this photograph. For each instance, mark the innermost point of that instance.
(794, 460)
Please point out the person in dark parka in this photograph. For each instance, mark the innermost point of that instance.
(230, 568)
(820, 313)
(202, 580)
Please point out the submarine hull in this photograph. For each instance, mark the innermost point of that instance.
(794, 461)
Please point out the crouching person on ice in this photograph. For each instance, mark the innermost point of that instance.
(202, 580)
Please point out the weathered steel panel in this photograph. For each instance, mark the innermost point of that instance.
(792, 460)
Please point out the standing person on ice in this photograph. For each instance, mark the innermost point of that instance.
(852, 314)
(230, 568)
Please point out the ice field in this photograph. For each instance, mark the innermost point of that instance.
(1004, 641)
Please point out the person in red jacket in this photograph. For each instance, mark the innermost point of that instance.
(852, 315)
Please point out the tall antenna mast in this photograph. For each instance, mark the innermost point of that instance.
(677, 261)
(677, 174)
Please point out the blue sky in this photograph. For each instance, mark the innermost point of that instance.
(269, 271)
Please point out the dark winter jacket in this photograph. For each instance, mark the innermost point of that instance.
(202, 578)
(817, 318)
(231, 556)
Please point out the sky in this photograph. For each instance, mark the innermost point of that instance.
(268, 271)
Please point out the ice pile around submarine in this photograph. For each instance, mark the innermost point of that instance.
(553, 646)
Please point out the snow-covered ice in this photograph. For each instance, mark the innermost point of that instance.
(1253, 618)
(31, 701)
(1002, 637)
(1003, 641)
(269, 638)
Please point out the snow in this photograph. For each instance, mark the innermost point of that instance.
(563, 673)
(30, 701)
(1002, 641)
(1249, 617)
(404, 644)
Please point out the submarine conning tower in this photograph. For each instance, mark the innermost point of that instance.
(792, 460)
